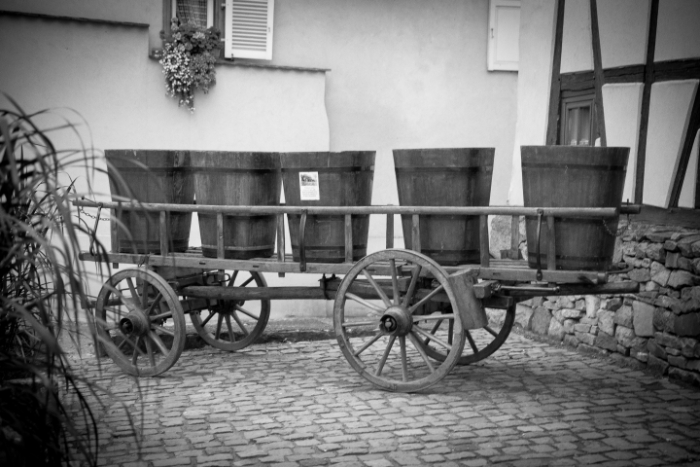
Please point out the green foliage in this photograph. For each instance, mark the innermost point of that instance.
(41, 292)
(189, 60)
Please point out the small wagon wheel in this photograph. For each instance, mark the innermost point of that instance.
(393, 357)
(140, 323)
(234, 324)
(481, 343)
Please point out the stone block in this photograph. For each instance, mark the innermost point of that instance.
(523, 315)
(565, 302)
(594, 330)
(556, 329)
(657, 366)
(664, 301)
(656, 252)
(670, 245)
(626, 337)
(571, 313)
(622, 350)
(592, 321)
(690, 347)
(571, 340)
(606, 322)
(648, 297)
(585, 338)
(671, 352)
(651, 286)
(582, 327)
(640, 275)
(695, 248)
(688, 377)
(696, 266)
(550, 304)
(556, 314)
(643, 319)
(678, 362)
(686, 264)
(569, 325)
(693, 365)
(658, 235)
(667, 340)
(641, 356)
(540, 320)
(687, 325)
(656, 350)
(663, 320)
(680, 278)
(672, 260)
(691, 294)
(623, 316)
(606, 341)
(685, 244)
(611, 304)
(593, 303)
(659, 273)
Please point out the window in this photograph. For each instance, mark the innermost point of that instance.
(246, 25)
(578, 122)
(504, 35)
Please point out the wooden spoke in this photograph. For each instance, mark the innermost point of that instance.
(395, 282)
(404, 361)
(144, 294)
(369, 342)
(364, 302)
(160, 316)
(433, 317)
(219, 322)
(490, 331)
(135, 354)
(416, 343)
(149, 351)
(425, 299)
(206, 320)
(247, 313)
(132, 289)
(432, 337)
(376, 286)
(240, 324)
(159, 343)
(231, 335)
(249, 317)
(412, 286)
(472, 344)
(155, 303)
(385, 356)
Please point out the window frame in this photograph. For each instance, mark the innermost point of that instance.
(216, 19)
(577, 99)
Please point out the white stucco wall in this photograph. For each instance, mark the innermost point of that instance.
(678, 34)
(623, 26)
(577, 52)
(669, 112)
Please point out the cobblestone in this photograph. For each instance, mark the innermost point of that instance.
(301, 404)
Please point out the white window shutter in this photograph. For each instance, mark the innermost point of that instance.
(504, 35)
(248, 30)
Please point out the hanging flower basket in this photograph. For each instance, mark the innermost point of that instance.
(189, 60)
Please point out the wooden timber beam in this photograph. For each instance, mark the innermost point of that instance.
(646, 99)
(598, 76)
(555, 90)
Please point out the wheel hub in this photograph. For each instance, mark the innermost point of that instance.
(396, 320)
(135, 323)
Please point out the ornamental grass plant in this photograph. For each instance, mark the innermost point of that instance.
(45, 416)
(189, 60)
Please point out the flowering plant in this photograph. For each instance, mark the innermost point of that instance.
(188, 60)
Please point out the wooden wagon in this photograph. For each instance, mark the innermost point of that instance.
(402, 320)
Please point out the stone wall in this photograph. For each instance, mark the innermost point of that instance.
(658, 328)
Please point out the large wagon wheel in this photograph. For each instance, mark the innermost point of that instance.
(139, 322)
(234, 324)
(481, 343)
(394, 356)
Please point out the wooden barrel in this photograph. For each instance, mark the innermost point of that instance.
(328, 179)
(151, 176)
(574, 176)
(238, 179)
(444, 177)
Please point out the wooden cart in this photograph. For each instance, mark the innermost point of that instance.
(401, 320)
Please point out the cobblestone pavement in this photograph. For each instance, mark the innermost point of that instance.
(301, 404)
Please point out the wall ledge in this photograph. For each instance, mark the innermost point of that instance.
(156, 54)
(73, 19)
